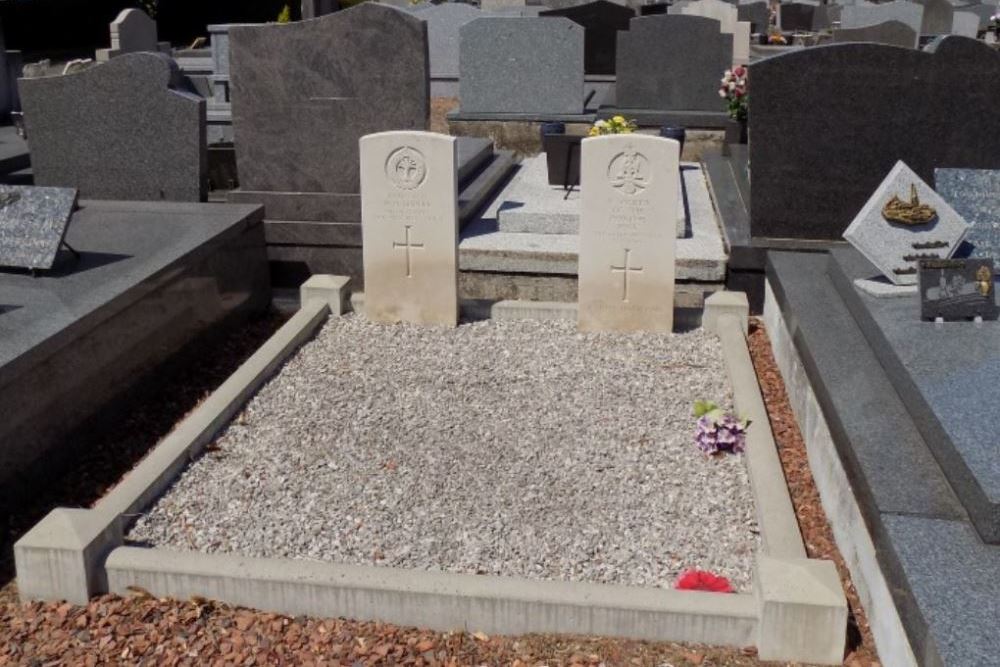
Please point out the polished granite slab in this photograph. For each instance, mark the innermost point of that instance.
(941, 574)
(946, 373)
(151, 277)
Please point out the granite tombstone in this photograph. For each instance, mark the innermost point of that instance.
(939, 17)
(796, 17)
(132, 31)
(629, 190)
(521, 65)
(119, 130)
(33, 223)
(653, 75)
(443, 25)
(975, 195)
(602, 21)
(893, 33)
(728, 17)
(865, 14)
(409, 222)
(965, 24)
(814, 166)
(304, 93)
(757, 14)
(903, 223)
(957, 289)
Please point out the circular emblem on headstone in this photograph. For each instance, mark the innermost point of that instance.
(629, 172)
(406, 168)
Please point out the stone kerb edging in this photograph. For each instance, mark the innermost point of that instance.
(849, 528)
(797, 610)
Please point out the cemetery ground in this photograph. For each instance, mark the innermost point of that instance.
(196, 631)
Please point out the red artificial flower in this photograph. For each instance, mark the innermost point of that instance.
(739, 70)
(699, 580)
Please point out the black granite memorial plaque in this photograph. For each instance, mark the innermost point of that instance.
(957, 289)
(33, 222)
(601, 21)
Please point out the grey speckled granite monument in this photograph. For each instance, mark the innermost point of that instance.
(939, 17)
(865, 14)
(443, 25)
(651, 75)
(327, 76)
(521, 66)
(32, 224)
(975, 194)
(814, 167)
(893, 33)
(119, 130)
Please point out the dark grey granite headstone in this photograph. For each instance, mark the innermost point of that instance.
(758, 14)
(893, 33)
(521, 65)
(33, 223)
(443, 25)
(119, 130)
(672, 62)
(939, 17)
(957, 289)
(815, 165)
(797, 16)
(825, 17)
(601, 21)
(304, 93)
(975, 195)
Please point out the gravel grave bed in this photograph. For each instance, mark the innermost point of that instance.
(507, 448)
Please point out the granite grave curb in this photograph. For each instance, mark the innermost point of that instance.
(797, 610)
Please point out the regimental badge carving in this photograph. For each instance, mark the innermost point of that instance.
(908, 213)
(629, 172)
(406, 168)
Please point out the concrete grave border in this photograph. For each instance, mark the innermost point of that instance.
(850, 530)
(796, 612)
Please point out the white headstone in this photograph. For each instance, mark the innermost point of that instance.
(728, 17)
(965, 24)
(132, 31)
(629, 190)
(895, 248)
(409, 227)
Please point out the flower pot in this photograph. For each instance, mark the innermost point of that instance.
(678, 134)
(562, 156)
(736, 131)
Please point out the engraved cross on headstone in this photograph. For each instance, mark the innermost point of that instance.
(407, 245)
(625, 269)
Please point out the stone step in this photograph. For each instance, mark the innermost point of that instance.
(483, 248)
(474, 194)
(473, 153)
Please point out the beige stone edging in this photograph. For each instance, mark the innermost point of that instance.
(797, 610)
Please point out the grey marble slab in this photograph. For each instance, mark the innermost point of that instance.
(32, 224)
(975, 194)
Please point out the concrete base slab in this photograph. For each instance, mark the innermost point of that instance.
(532, 206)
(484, 247)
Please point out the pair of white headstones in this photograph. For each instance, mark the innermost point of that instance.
(409, 211)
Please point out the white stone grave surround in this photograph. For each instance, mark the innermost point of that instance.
(409, 226)
(629, 189)
(728, 17)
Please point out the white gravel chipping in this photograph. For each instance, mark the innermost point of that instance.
(511, 448)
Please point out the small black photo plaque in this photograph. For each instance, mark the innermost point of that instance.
(957, 289)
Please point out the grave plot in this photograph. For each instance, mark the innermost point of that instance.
(509, 448)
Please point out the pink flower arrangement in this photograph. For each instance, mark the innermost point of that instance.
(700, 580)
(734, 90)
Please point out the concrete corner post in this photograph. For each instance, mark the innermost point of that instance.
(726, 303)
(331, 289)
(803, 611)
(62, 557)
